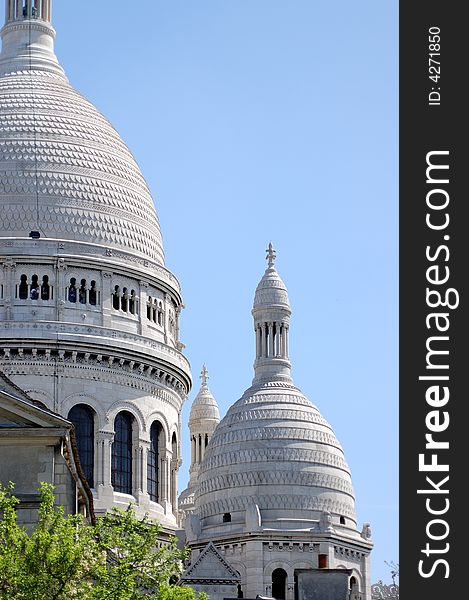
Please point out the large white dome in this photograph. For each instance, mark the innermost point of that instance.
(64, 170)
(274, 449)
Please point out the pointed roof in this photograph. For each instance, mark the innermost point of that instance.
(205, 406)
(211, 567)
(271, 292)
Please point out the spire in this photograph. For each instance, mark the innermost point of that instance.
(28, 37)
(271, 255)
(203, 419)
(271, 312)
(204, 376)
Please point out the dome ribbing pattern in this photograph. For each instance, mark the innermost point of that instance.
(274, 449)
(64, 170)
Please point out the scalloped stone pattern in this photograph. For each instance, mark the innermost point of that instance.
(59, 155)
(273, 443)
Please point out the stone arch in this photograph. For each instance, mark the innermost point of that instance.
(157, 415)
(358, 578)
(131, 408)
(83, 398)
(278, 564)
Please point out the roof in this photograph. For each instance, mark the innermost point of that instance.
(210, 567)
(54, 142)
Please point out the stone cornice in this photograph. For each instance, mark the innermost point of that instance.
(154, 380)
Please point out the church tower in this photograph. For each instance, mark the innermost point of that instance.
(274, 497)
(203, 419)
(89, 313)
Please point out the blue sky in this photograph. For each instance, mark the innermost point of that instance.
(259, 120)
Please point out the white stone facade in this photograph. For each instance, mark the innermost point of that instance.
(89, 315)
(203, 420)
(89, 320)
(274, 493)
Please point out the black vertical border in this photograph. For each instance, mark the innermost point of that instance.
(425, 128)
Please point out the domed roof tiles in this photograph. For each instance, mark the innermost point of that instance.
(273, 448)
(204, 406)
(66, 171)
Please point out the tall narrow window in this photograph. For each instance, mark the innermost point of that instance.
(279, 584)
(116, 304)
(82, 292)
(132, 302)
(122, 453)
(125, 300)
(92, 296)
(45, 288)
(154, 461)
(72, 290)
(34, 292)
(82, 417)
(23, 288)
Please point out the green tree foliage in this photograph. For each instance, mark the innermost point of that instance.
(119, 558)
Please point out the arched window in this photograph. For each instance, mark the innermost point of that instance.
(23, 287)
(160, 314)
(92, 296)
(122, 453)
(34, 292)
(125, 300)
(72, 290)
(132, 302)
(116, 304)
(82, 417)
(354, 591)
(279, 584)
(45, 288)
(227, 518)
(82, 292)
(153, 461)
(342, 520)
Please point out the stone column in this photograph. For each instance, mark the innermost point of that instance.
(258, 331)
(192, 450)
(9, 274)
(167, 303)
(141, 492)
(106, 298)
(174, 491)
(254, 569)
(104, 488)
(271, 340)
(142, 296)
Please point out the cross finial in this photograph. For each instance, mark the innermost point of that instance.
(271, 255)
(204, 375)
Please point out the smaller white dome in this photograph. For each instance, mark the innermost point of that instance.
(271, 292)
(204, 407)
